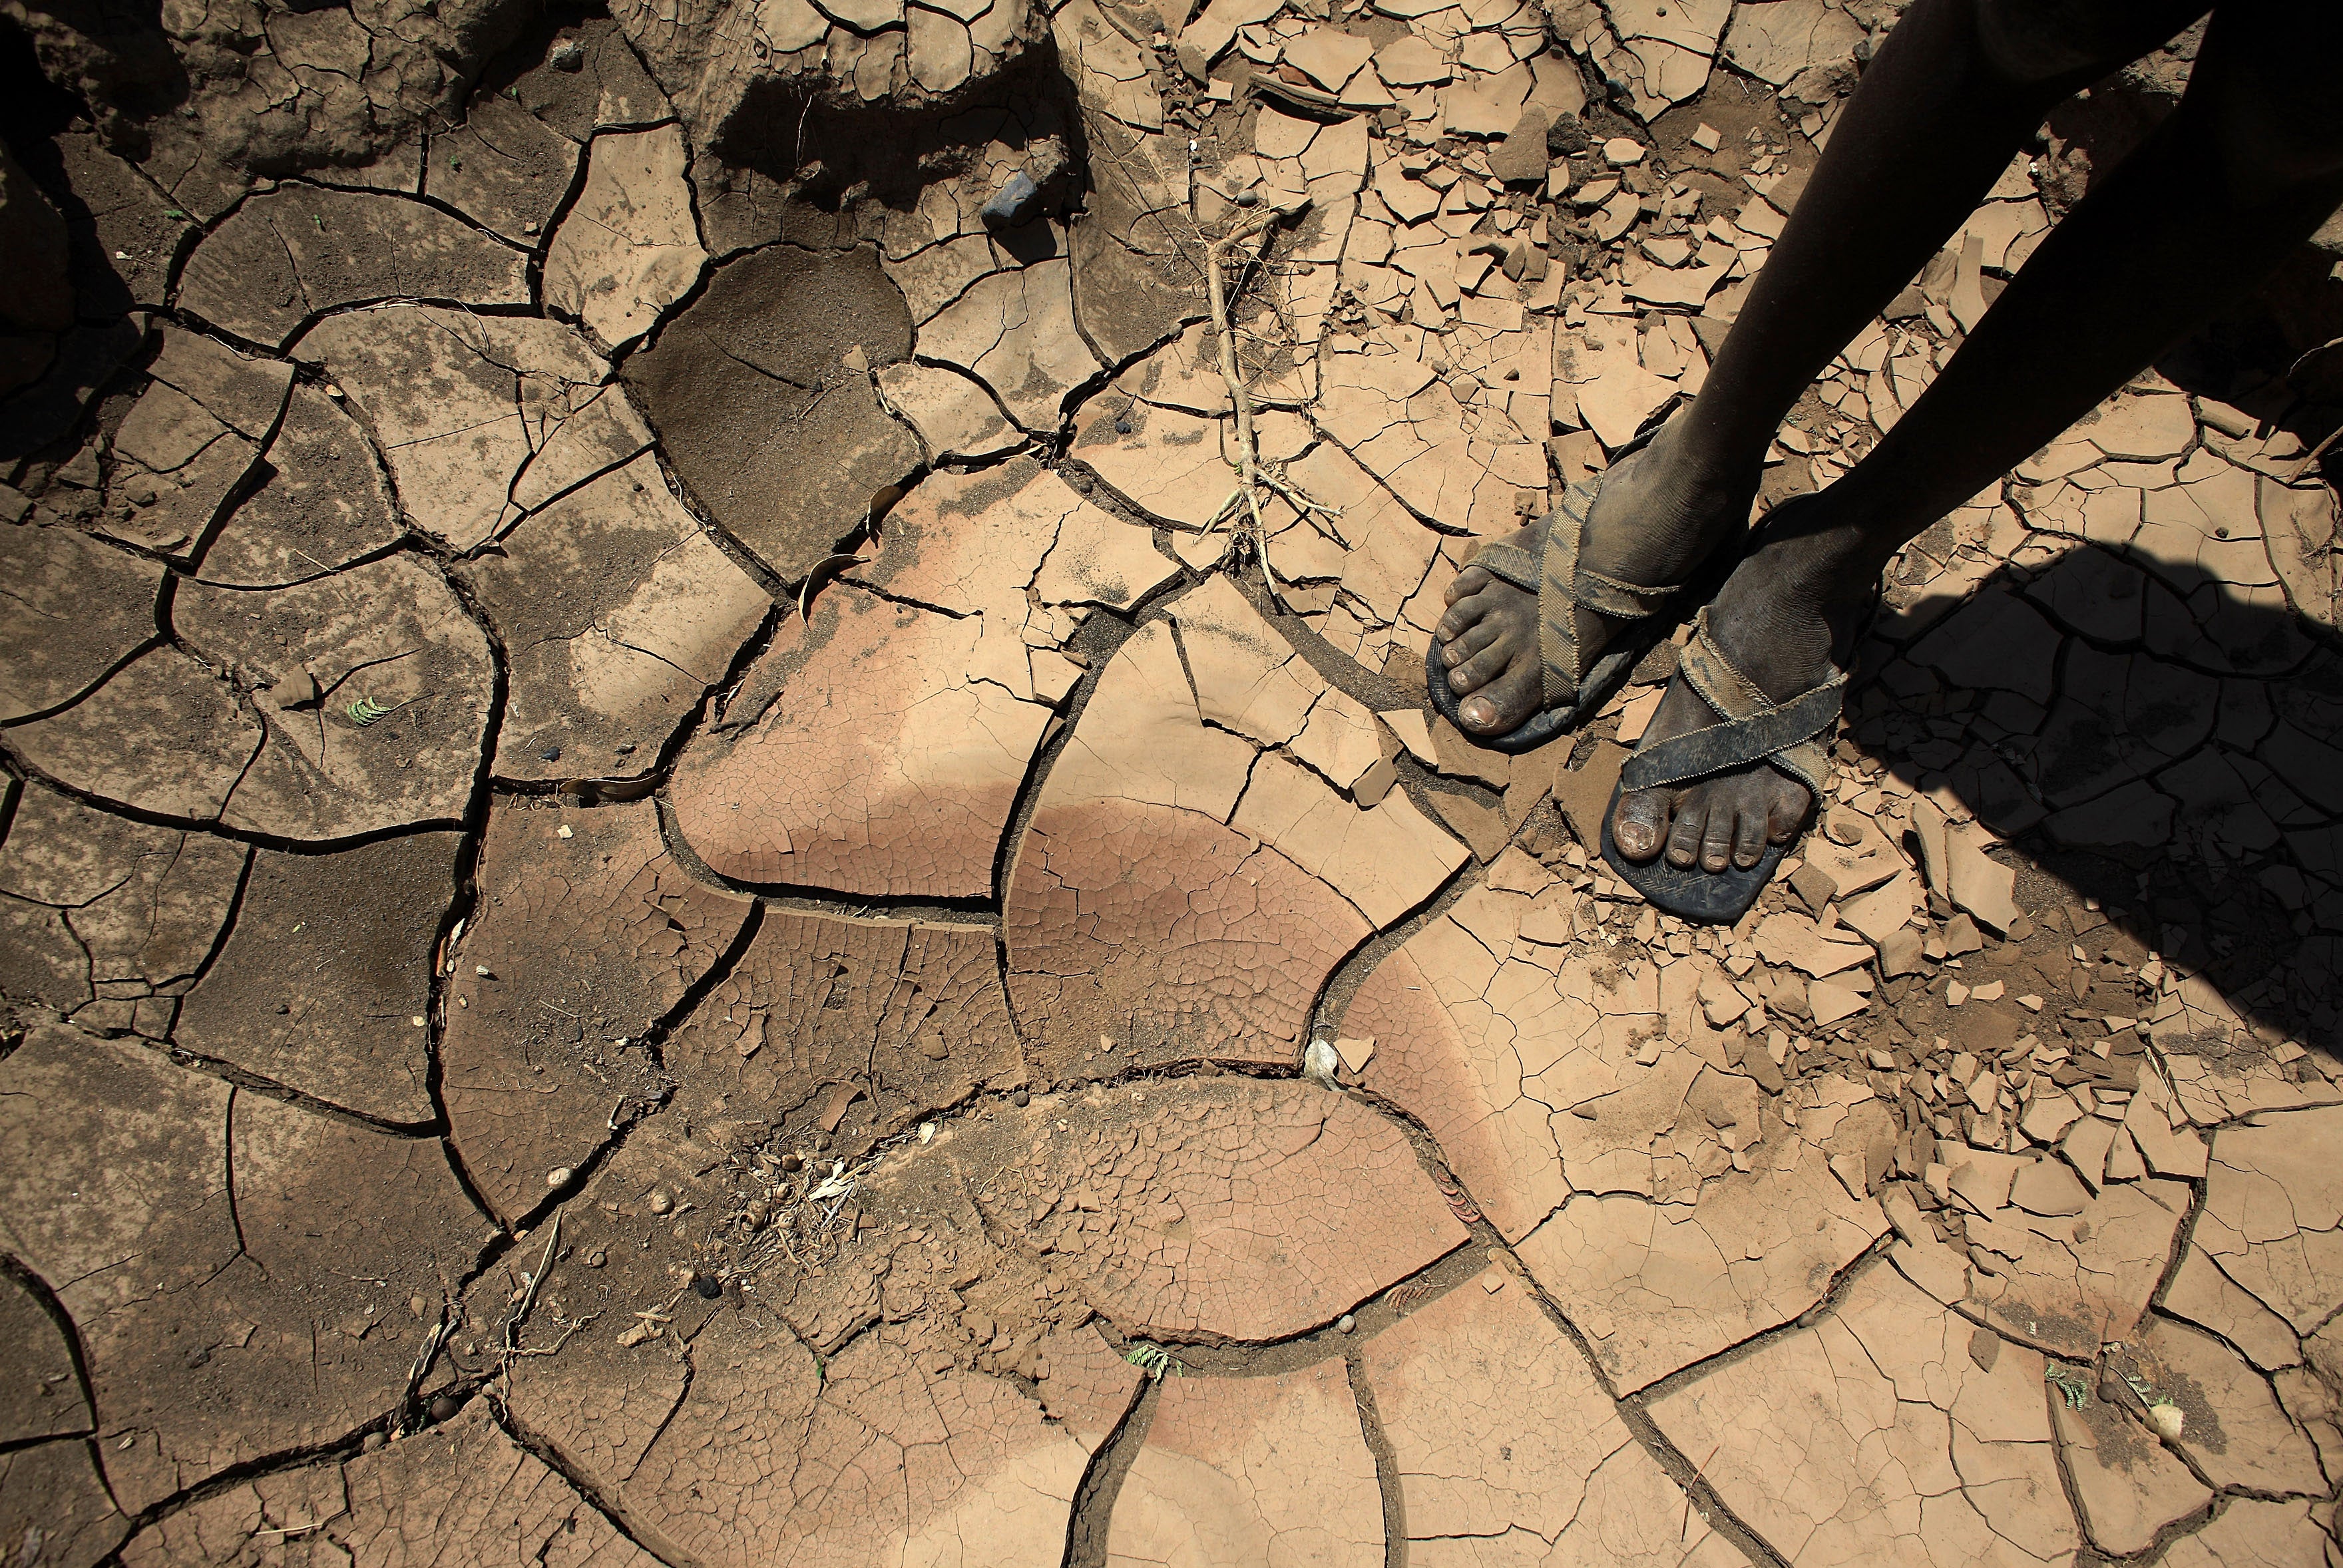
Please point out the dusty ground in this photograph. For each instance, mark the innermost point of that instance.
(552, 1018)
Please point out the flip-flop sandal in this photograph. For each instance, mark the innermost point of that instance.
(1571, 690)
(1793, 736)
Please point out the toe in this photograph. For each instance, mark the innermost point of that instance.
(1750, 832)
(1501, 703)
(1716, 838)
(1473, 640)
(1483, 669)
(1464, 614)
(1692, 827)
(1788, 814)
(1468, 582)
(1639, 823)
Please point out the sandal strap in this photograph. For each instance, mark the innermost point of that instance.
(1613, 597)
(1558, 649)
(1755, 728)
(1507, 563)
(1565, 588)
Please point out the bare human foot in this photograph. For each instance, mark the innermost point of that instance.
(1787, 617)
(1657, 519)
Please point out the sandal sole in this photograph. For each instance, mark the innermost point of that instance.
(1712, 898)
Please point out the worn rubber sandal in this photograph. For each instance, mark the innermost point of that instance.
(1571, 690)
(1793, 736)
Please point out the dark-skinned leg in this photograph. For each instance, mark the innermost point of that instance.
(2247, 166)
(1956, 91)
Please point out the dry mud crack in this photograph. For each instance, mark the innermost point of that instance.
(671, 892)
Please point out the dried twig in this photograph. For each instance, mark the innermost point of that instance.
(433, 1342)
(1243, 508)
(519, 1314)
(568, 1331)
(290, 1531)
(2302, 465)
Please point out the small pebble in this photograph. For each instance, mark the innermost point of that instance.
(1247, 198)
(551, 754)
(661, 1202)
(559, 1176)
(1013, 203)
(2167, 1421)
(793, 1162)
(1122, 426)
(597, 1258)
(446, 1407)
(707, 1288)
(1346, 1322)
(1021, 1099)
(370, 1442)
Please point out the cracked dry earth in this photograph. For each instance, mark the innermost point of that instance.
(670, 892)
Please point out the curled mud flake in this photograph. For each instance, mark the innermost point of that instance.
(291, 252)
(214, 1338)
(588, 939)
(628, 247)
(618, 613)
(1251, 1470)
(778, 440)
(1500, 1430)
(481, 418)
(375, 686)
(331, 955)
(889, 757)
(1885, 1371)
(1211, 1208)
(894, 1019)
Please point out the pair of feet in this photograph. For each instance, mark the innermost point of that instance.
(1787, 616)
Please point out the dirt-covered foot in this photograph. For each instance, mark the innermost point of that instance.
(1658, 518)
(1787, 617)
